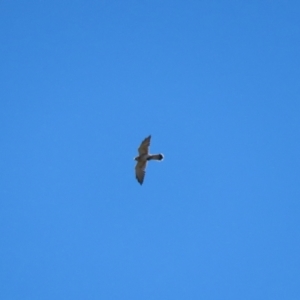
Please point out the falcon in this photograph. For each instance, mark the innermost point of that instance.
(142, 159)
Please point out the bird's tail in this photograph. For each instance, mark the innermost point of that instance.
(156, 157)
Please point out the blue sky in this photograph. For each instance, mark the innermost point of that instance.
(216, 84)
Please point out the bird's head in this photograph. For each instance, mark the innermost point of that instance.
(136, 158)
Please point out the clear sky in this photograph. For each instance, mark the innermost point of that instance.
(216, 84)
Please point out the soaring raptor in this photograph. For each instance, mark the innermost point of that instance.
(143, 158)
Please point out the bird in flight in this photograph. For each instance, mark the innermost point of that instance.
(143, 158)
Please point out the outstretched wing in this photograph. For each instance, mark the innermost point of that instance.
(140, 171)
(144, 147)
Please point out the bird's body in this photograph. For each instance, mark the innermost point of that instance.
(143, 157)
